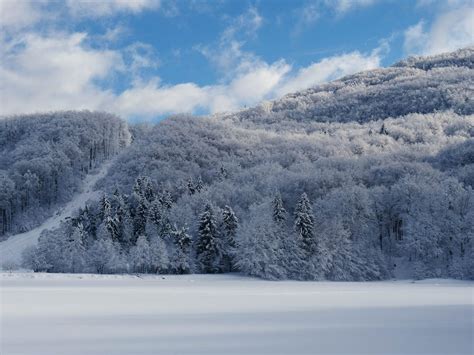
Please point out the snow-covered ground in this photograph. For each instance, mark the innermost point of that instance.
(12, 248)
(228, 314)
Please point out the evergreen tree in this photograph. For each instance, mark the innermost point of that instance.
(208, 246)
(123, 222)
(165, 199)
(199, 184)
(158, 222)
(105, 208)
(229, 229)
(304, 225)
(112, 227)
(289, 254)
(279, 212)
(147, 189)
(155, 212)
(191, 187)
(140, 218)
(138, 186)
(223, 174)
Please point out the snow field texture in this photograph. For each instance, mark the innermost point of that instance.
(229, 314)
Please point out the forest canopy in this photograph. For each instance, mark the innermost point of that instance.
(348, 180)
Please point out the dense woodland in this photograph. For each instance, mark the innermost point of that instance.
(344, 181)
(43, 159)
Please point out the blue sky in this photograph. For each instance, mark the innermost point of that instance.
(146, 59)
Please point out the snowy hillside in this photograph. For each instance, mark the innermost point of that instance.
(11, 249)
(43, 159)
(351, 180)
(417, 85)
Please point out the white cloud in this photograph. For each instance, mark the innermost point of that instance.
(329, 69)
(94, 8)
(452, 29)
(61, 71)
(42, 73)
(247, 24)
(20, 14)
(344, 6)
(227, 55)
(306, 17)
(150, 99)
(47, 73)
(115, 33)
(415, 38)
(17, 14)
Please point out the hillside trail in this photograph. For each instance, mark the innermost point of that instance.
(11, 249)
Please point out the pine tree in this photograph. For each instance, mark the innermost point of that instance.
(165, 199)
(158, 220)
(223, 174)
(279, 212)
(199, 184)
(208, 248)
(155, 212)
(105, 207)
(304, 225)
(123, 221)
(140, 218)
(138, 186)
(112, 227)
(383, 130)
(289, 253)
(147, 189)
(229, 229)
(191, 187)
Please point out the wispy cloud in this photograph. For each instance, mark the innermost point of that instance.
(306, 16)
(453, 28)
(61, 70)
(95, 9)
(312, 11)
(344, 6)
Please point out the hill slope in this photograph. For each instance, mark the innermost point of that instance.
(44, 157)
(342, 181)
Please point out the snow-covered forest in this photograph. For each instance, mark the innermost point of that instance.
(43, 159)
(351, 180)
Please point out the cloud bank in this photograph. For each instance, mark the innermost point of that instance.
(57, 69)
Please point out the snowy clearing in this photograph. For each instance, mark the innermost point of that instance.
(12, 248)
(229, 314)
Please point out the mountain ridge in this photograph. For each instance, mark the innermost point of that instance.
(360, 177)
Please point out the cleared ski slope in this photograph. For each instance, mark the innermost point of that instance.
(12, 248)
(46, 314)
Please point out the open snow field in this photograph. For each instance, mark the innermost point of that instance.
(197, 314)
